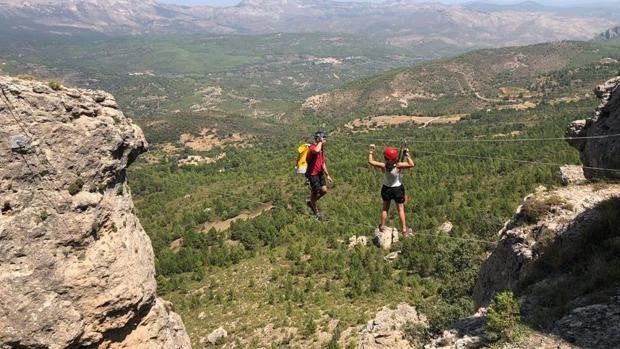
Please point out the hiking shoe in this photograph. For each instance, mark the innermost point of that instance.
(408, 232)
(318, 216)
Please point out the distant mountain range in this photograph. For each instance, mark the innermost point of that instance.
(399, 22)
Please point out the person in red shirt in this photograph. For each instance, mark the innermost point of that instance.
(317, 173)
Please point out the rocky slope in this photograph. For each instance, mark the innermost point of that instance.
(385, 330)
(76, 266)
(559, 254)
(600, 152)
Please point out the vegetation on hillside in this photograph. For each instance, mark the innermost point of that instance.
(291, 268)
(283, 268)
(198, 77)
(506, 78)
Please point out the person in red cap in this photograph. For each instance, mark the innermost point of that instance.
(393, 188)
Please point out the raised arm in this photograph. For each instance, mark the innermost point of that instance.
(408, 163)
(317, 147)
(371, 160)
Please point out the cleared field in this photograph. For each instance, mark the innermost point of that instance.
(390, 120)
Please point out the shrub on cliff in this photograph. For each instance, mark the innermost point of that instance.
(55, 85)
(503, 318)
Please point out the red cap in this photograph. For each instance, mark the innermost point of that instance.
(390, 153)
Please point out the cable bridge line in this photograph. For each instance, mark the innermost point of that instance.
(413, 140)
(485, 157)
(363, 140)
(424, 232)
(358, 140)
(429, 232)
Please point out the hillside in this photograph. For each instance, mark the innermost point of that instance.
(510, 78)
(282, 278)
(182, 84)
(558, 253)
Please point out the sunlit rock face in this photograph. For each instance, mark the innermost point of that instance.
(76, 266)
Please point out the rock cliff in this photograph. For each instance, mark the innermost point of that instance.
(559, 253)
(545, 216)
(75, 264)
(600, 152)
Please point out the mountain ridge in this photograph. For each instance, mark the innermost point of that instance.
(402, 23)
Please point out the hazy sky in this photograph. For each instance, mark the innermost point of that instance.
(234, 2)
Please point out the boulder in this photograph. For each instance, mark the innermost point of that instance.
(386, 238)
(217, 335)
(358, 240)
(392, 256)
(446, 227)
(467, 333)
(572, 174)
(386, 330)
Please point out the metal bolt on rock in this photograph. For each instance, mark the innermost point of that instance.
(18, 142)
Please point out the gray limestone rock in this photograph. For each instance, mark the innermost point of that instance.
(358, 240)
(75, 270)
(520, 241)
(217, 335)
(467, 333)
(602, 148)
(572, 174)
(386, 329)
(385, 238)
(593, 326)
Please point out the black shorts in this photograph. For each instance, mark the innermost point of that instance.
(393, 193)
(316, 182)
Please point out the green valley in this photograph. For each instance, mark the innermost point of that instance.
(224, 115)
(282, 279)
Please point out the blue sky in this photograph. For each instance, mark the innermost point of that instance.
(234, 2)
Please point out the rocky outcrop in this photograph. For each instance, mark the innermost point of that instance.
(464, 334)
(602, 147)
(572, 174)
(593, 326)
(609, 34)
(75, 264)
(544, 216)
(546, 220)
(386, 330)
(217, 335)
